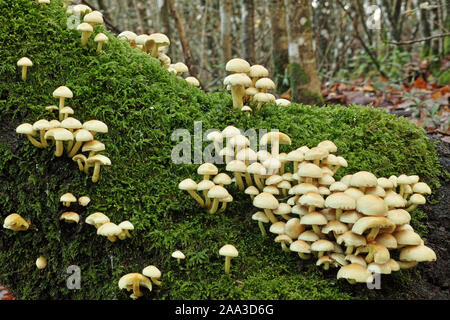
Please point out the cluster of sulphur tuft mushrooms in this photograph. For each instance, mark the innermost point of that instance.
(133, 281)
(87, 27)
(213, 191)
(155, 45)
(249, 84)
(359, 224)
(69, 134)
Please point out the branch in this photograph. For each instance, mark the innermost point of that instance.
(401, 43)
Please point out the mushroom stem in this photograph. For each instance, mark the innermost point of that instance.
(80, 165)
(227, 265)
(72, 152)
(258, 107)
(156, 281)
(372, 234)
(311, 209)
(349, 250)
(85, 35)
(99, 47)
(24, 73)
(326, 266)
(369, 257)
(207, 200)
(320, 254)
(43, 141)
(236, 94)
(239, 182)
(270, 215)
(248, 179)
(223, 207)
(338, 214)
(34, 141)
(261, 227)
(284, 247)
(96, 172)
(351, 281)
(304, 256)
(316, 230)
(286, 217)
(197, 197)
(258, 182)
(136, 292)
(411, 207)
(215, 205)
(112, 238)
(59, 148)
(275, 147)
(295, 166)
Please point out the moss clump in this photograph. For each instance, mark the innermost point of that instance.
(142, 105)
(298, 79)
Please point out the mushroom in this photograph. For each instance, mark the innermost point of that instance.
(193, 81)
(100, 39)
(275, 139)
(153, 273)
(86, 30)
(257, 71)
(258, 170)
(415, 200)
(81, 136)
(354, 273)
(293, 228)
(43, 2)
(264, 84)
(238, 82)
(93, 18)
(336, 227)
(178, 255)
(133, 281)
(261, 218)
(374, 224)
(81, 10)
(70, 217)
(351, 240)
(296, 156)
(261, 98)
(62, 93)
(321, 246)
(252, 191)
(128, 36)
(283, 239)
(41, 262)
(16, 223)
(282, 102)
(217, 138)
(158, 40)
(309, 171)
(418, 253)
(363, 179)
(180, 68)
(267, 202)
(312, 200)
(204, 186)
(216, 193)
(229, 251)
(237, 167)
(302, 248)
(84, 201)
(27, 129)
(224, 202)
(80, 159)
(340, 201)
(190, 186)
(314, 219)
(97, 219)
(24, 63)
(109, 230)
(67, 199)
(326, 261)
(98, 160)
(207, 169)
(375, 252)
(41, 126)
(126, 227)
(283, 210)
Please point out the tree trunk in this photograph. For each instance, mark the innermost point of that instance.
(305, 84)
(167, 30)
(280, 55)
(226, 12)
(182, 35)
(248, 31)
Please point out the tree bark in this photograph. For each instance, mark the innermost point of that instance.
(305, 84)
(167, 29)
(226, 12)
(184, 42)
(280, 55)
(248, 30)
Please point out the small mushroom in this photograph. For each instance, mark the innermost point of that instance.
(41, 262)
(70, 217)
(24, 63)
(93, 18)
(302, 248)
(27, 129)
(16, 223)
(67, 199)
(86, 32)
(229, 251)
(158, 40)
(261, 218)
(62, 93)
(133, 281)
(98, 160)
(267, 202)
(80, 159)
(217, 193)
(97, 219)
(238, 82)
(84, 201)
(100, 39)
(354, 273)
(126, 227)
(109, 230)
(190, 186)
(178, 255)
(153, 273)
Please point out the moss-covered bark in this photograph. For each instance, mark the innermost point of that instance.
(143, 104)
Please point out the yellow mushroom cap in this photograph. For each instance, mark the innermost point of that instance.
(84, 200)
(228, 250)
(151, 272)
(207, 169)
(94, 17)
(238, 65)
(41, 262)
(97, 218)
(178, 254)
(372, 205)
(15, 222)
(363, 179)
(419, 253)
(356, 272)
(109, 229)
(24, 62)
(70, 217)
(68, 197)
(265, 200)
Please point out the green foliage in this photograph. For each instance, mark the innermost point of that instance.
(143, 104)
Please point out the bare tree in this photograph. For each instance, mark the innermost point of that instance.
(305, 84)
(226, 12)
(248, 30)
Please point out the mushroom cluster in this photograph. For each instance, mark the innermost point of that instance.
(86, 28)
(69, 134)
(108, 229)
(133, 281)
(155, 45)
(360, 219)
(16, 223)
(249, 84)
(213, 191)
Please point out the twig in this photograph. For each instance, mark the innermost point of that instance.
(401, 43)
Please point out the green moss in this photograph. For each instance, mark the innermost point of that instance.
(298, 79)
(142, 105)
(444, 78)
